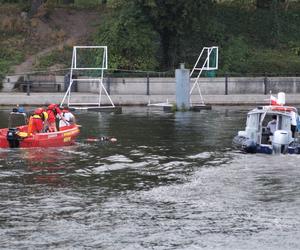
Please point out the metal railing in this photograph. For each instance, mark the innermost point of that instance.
(149, 80)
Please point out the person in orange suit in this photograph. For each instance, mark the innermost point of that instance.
(36, 123)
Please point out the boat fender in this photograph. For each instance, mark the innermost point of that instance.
(22, 134)
(249, 146)
(13, 138)
(246, 144)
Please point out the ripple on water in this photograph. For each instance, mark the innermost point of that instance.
(110, 167)
(118, 158)
(214, 205)
(203, 155)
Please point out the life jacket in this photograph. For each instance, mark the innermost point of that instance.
(31, 124)
(44, 116)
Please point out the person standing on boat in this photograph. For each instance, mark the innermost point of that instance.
(293, 122)
(53, 111)
(36, 123)
(69, 117)
(272, 124)
(44, 117)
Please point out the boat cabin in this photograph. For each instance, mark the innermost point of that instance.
(17, 119)
(257, 124)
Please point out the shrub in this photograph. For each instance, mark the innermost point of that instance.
(8, 57)
(234, 56)
(60, 56)
(131, 43)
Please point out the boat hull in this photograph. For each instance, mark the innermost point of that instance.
(65, 137)
(247, 145)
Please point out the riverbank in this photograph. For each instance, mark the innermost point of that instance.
(11, 99)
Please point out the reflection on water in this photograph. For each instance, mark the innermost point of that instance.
(171, 181)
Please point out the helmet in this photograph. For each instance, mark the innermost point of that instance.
(52, 106)
(65, 108)
(38, 111)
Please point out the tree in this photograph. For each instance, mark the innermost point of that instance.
(34, 6)
(268, 4)
(173, 20)
(272, 9)
(130, 39)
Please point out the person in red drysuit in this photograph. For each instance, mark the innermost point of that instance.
(53, 110)
(36, 123)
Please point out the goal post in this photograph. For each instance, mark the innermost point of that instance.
(208, 60)
(83, 58)
(89, 62)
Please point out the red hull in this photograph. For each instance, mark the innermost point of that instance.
(65, 137)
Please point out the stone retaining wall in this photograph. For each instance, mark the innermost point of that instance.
(166, 86)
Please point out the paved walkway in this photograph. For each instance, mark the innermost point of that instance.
(9, 99)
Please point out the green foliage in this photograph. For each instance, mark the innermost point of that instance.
(87, 3)
(235, 55)
(250, 39)
(11, 1)
(174, 21)
(8, 58)
(272, 62)
(258, 40)
(294, 47)
(167, 24)
(9, 54)
(239, 58)
(173, 108)
(268, 28)
(130, 40)
(158, 35)
(56, 57)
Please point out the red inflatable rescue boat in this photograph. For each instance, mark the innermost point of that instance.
(17, 136)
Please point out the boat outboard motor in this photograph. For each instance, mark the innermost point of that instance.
(13, 138)
(280, 141)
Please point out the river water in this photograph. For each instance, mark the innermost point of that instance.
(172, 181)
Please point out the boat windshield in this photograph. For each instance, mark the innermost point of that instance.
(17, 119)
(253, 120)
(284, 123)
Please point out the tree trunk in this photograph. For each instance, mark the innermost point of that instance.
(34, 6)
(263, 4)
(165, 43)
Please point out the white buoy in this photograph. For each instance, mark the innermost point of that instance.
(281, 98)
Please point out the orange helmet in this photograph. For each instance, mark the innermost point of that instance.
(52, 106)
(38, 111)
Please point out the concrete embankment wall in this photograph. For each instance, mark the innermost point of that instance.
(141, 91)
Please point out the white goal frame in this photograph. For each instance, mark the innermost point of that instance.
(99, 80)
(206, 51)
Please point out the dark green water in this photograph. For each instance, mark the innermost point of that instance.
(172, 181)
